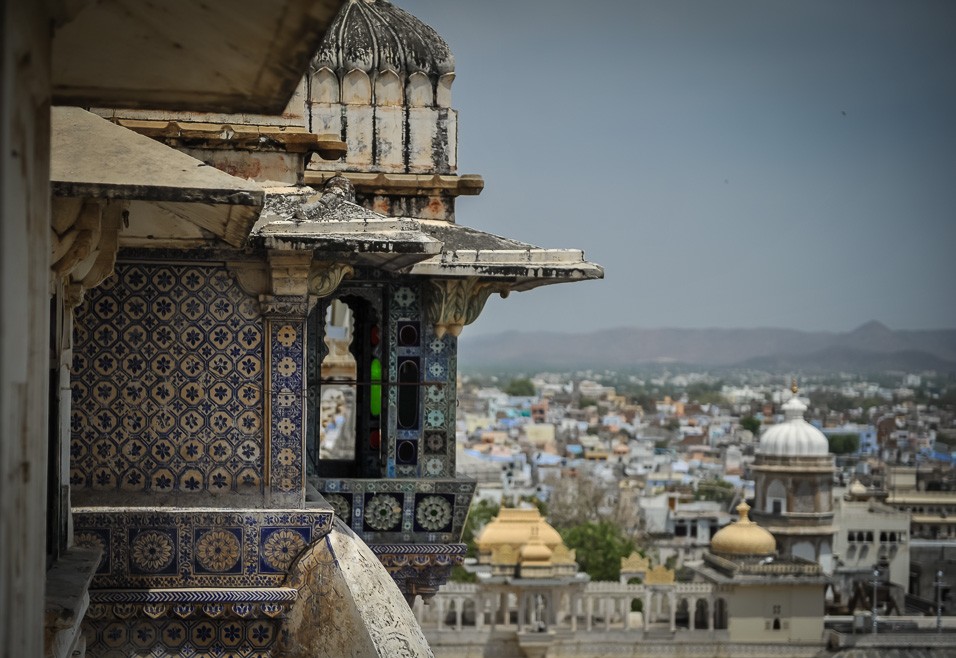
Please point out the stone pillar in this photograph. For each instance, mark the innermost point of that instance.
(285, 312)
(607, 613)
(589, 613)
(673, 610)
(521, 609)
(440, 605)
(479, 612)
(648, 597)
(459, 603)
(692, 614)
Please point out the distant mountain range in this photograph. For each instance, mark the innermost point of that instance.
(873, 347)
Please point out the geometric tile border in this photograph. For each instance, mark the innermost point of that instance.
(420, 568)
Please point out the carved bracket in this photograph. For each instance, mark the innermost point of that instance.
(325, 277)
(453, 303)
(85, 240)
(252, 276)
(289, 272)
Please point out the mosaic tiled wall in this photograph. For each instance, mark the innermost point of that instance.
(111, 635)
(167, 384)
(185, 548)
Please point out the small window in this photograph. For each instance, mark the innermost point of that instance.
(346, 375)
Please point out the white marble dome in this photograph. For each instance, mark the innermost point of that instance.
(794, 437)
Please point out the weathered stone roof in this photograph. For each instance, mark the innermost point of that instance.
(468, 252)
(330, 223)
(375, 35)
(93, 158)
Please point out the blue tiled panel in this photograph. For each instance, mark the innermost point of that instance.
(167, 384)
(169, 636)
(435, 438)
(401, 510)
(144, 549)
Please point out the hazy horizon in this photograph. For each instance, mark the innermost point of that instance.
(640, 327)
(731, 164)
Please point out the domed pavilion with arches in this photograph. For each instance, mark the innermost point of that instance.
(793, 474)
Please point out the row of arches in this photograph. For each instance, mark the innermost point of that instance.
(356, 87)
(550, 609)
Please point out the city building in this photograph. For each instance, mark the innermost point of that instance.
(793, 473)
(529, 600)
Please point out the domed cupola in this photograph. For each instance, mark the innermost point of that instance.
(794, 437)
(376, 36)
(381, 80)
(743, 537)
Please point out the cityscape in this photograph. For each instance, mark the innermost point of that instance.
(638, 473)
(267, 386)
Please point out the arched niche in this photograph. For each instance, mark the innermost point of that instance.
(356, 88)
(388, 88)
(419, 90)
(443, 93)
(776, 498)
(805, 550)
(324, 86)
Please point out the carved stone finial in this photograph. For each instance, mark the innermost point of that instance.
(793, 386)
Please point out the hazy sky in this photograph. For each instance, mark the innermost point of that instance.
(730, 164)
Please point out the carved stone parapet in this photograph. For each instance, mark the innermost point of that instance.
(325, 277)
(453, 303)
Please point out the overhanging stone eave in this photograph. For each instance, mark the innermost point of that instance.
(126, 53)
(350, 242)
(518, 276)
(92, 158)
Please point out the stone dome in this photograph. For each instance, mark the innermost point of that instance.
(376, 36)
(744, 537)
(794, 437)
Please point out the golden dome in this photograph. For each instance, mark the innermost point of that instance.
(535, 552)
(517, 527)
(743, 537)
